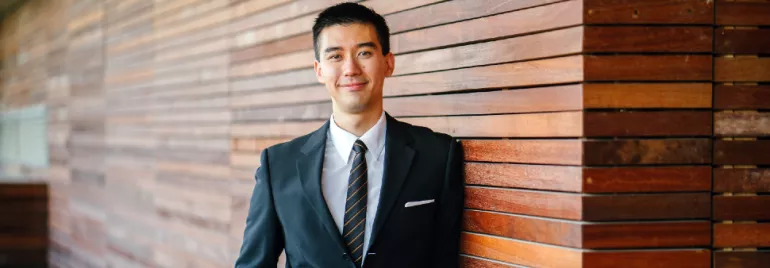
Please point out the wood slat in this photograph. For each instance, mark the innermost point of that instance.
(741, 69)
(536, 19)
(685, 39)
(741, 180)
(541, 230)
(561, 124)
(741, 259)
(647, 235)
(646, 207)
(283, 46)
(741, 152)
(742, 41)
(518, 252)
(647, 179)
(741, 207)
(642, 152)
(684, 258)
(665, 123)
(541, 177)
(742, 13)
(476, 262)
(648, 95)
(742, 235)
(545, 204)
(741, 123)
(564, 152)
(648, 68)
(648, 12)
(741, 97)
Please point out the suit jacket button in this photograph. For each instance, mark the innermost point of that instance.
(345, 257)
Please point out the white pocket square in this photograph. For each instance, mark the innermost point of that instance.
(418, 203)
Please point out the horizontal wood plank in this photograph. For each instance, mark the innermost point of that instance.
(741, 69)
(684, 258)
(741, 180)
(647, 235)
(741, 97)
(540, 177)
(647, 95)
(640, 152)
(747, 208)
(561, 124)
(646, 179)
(741, 259)
(518, 252)
(742, 123)
(476, 262)
(742, 41)
(565, 152)
(648, 12)
(684, 39)
(741, 152)
(742, 12)
(545, 204)
(540, 230)
(648, 68)
(742, 235)
(664, 123)
(647, 206)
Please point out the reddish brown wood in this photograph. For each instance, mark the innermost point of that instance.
(561, 124)
(648, 12)
(646, 207)
(648, 39)
(668, 123)
(647, 179)
(524, 228)
(565, 152)
(742, 235)
(741, 259)
(647, 235)
(741, 123)
(647, 95)
(283, 46)
(541, 177)
(648, 68)
(741, 69)
(475, 262)
(742, 12)
(741, 152)
(747, 208)
(741, 97)
(658, 151)
(741, 180)
(742, 41)
(685, 258)
(518, 252)
(546, 204)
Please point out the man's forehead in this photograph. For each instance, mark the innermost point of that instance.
(348, 35)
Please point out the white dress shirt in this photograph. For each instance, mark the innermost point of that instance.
(338, 160)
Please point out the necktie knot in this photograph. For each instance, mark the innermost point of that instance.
(359, 146)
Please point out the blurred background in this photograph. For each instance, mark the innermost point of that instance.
(629, 133)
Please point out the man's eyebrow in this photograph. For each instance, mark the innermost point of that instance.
(331, 49)
(367, 44)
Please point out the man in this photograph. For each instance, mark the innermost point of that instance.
(364, 190)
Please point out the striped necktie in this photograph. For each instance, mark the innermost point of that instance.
(355, 206)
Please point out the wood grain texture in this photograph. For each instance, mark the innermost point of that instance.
(742, 41)
(741, 69)
(668, 123)
(742, 12)
(648, 12)
(685, 258)
(646, 207)
(741, 180)
(657, 151)
(565, 152)
(518, 252)
(742, 123)
(741, 97)
(647, 235)
(747, 208)
(648, 95)
(741, 259)
(476, 262)
(648, 68)
(541, 177)
(545, 204)
(539, 230)
(646, 179)
(742, 235)
(648, 39)
(741, 152)
(561, 124)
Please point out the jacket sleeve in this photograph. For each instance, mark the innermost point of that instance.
(263, 237)
(450, 210)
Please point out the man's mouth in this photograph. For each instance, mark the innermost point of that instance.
(354, 86)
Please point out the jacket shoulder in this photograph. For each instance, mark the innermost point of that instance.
(426, 136)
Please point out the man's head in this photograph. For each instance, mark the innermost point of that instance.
(352, 49)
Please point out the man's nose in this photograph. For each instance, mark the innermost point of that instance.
(351, 67)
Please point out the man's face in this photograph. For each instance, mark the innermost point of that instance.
(351, 65)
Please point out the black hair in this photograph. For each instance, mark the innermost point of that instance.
(347, 13)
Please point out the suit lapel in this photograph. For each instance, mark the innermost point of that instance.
(398, 159)
(309, 167)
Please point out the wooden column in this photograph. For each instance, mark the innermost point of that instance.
(23, 224)
(741, 204)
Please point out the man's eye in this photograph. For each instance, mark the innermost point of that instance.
(365, 53)
(334, 57)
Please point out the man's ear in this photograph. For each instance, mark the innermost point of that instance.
(318, 72)
(390, 60)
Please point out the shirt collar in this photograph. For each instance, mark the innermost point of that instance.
(374, 138)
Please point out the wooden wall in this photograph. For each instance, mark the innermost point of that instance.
(592, 128)
(23, 225)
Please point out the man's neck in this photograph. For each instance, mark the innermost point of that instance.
(357, 124)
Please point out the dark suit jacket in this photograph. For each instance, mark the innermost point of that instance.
(288, 210)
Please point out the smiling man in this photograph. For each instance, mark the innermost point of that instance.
(364, 190)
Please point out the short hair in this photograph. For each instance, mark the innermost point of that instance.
(348, 13)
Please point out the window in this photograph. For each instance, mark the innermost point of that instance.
(23, 139)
